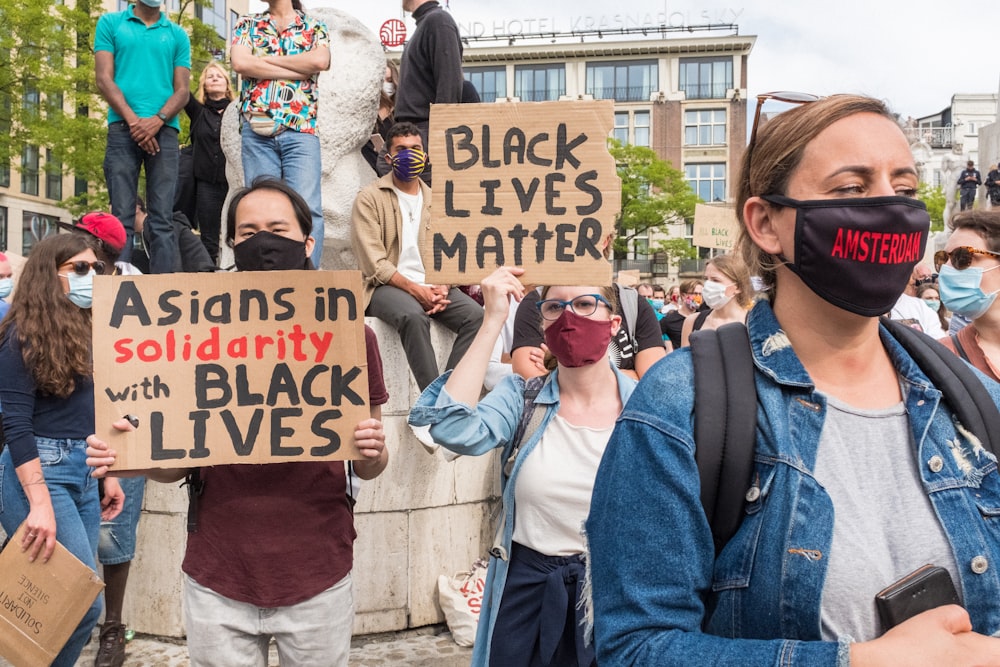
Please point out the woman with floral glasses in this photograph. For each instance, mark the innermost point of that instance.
(860, 474)
(969, 282)
(47, 393)
(530, 614)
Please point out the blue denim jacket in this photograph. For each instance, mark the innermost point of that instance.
(481, 430)
(661, 596)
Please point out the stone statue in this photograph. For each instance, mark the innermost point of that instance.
(348, 103)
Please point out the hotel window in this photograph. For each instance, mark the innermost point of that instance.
(623, 81)
(539, 83)
(29, 170)
(3, 228)
(705, 127)
(706, 78)
(708, 180)
(490, 82)
(34, 228)
(632, 127)
(213, 14)
(53, 177)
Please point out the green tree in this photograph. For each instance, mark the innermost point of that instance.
(654, 197)
(935, 200)
(48, 94)
(47, 89)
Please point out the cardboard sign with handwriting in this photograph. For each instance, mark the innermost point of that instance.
(245, 367)
(528, 184)
(41, 603)
(715, 227)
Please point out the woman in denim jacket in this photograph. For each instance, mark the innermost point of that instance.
(529, 613)
(861, 475)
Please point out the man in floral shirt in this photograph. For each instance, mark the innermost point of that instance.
(280, 54)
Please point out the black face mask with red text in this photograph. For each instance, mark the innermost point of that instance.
(857, 253)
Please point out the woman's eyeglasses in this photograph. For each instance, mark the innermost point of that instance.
(584, 305)
(960, 257)
(83, 267)
(780, 96)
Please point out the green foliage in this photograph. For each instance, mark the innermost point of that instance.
(48, 47)
(935, 200)
(654, 195)
(47, 55)
(676, 249)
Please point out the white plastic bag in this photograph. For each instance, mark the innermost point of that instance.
(461, 598)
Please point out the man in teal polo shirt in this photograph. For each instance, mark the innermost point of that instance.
(143, 68)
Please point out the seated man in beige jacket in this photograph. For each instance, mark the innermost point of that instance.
(387, 227)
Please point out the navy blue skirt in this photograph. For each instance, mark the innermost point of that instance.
(538, 623)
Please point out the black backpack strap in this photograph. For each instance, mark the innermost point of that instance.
(964, 393)
(959, 347)
(725, 424)
(195, 486)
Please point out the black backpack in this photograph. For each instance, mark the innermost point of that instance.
(724, 378)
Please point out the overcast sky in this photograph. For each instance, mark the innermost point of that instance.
(915, 54)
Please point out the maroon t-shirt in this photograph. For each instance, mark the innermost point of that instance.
(279, 534)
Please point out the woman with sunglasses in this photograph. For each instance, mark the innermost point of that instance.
(530, 614)
(969, 282)
(860, 473)
(48, 402)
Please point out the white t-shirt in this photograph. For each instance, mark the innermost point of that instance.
(910, 310)
(554, 486)
(410, 266)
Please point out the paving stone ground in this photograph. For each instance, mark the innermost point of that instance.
(424, 647)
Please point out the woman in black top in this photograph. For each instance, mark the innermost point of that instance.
(205, 109)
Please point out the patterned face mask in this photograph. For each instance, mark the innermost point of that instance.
(408, 163)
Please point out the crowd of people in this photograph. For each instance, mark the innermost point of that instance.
(862, 472)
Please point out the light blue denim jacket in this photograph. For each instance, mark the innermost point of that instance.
(660, 595)
(490, 425)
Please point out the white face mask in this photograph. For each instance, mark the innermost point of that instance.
(388, 87)
(714, 294)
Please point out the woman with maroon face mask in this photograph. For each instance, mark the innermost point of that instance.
(552, 445)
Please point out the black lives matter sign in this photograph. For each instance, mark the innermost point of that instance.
(255, 367)
(522, 184)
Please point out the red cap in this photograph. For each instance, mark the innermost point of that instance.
(104, 226)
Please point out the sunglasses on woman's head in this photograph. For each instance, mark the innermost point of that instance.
(960, 257)
(83, 267)
(780, 96)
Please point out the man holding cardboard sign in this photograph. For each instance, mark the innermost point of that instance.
(272, 551)
(387, 227)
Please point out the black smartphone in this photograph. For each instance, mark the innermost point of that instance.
(925, 588)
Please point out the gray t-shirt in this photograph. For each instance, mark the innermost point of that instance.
(884, 525)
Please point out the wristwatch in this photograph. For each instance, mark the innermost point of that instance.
(162, 116)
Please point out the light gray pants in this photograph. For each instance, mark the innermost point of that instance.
(226, 633)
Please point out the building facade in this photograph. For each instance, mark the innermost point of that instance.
(32, 188)
(682, 96)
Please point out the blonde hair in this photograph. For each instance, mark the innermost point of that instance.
(733, 268)
(200, 93)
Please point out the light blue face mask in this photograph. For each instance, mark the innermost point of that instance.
(657, 304)
(961, 291)
(81, 288)
(6, 287)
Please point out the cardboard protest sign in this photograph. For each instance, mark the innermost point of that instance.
(41, 603)
(715, 227)
(255, 367)
(530, 184)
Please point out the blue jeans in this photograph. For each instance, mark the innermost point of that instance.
(78, 515)
(117, 538)
(122, 162)
(294, 157)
